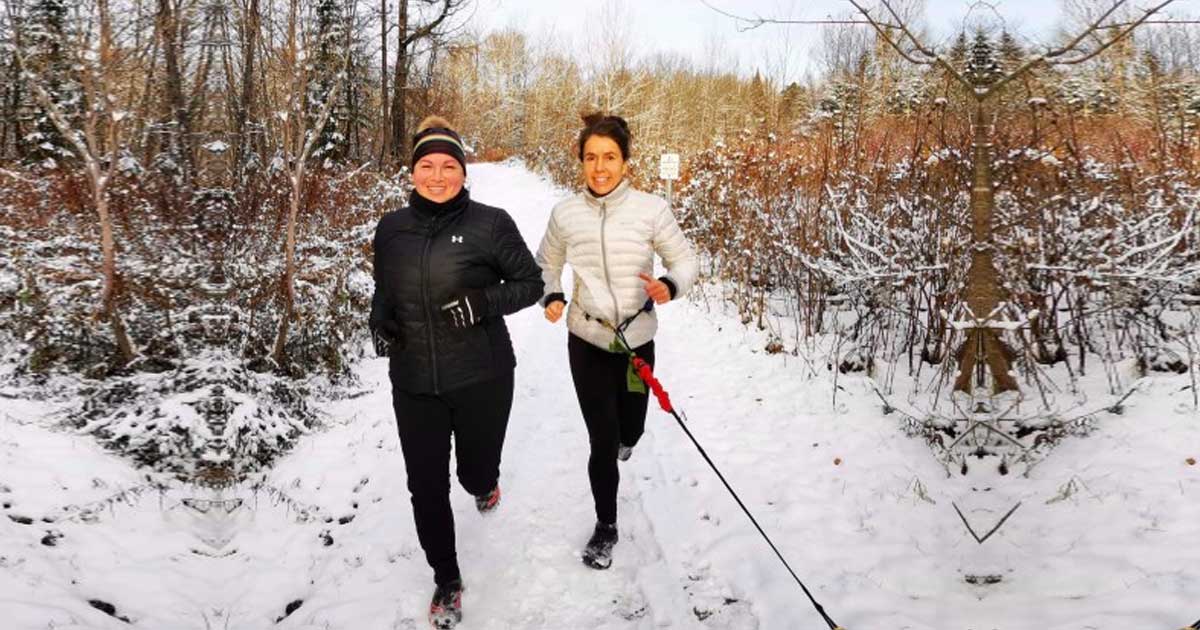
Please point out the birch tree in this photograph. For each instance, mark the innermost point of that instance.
(302, 133)
(97, 142)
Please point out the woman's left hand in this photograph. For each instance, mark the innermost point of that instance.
(656, 289)
(466, 309)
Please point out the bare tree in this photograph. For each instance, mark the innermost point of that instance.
(98, 145)
(301, 136)
(983, 80)
(616, 79)
(11, 94)
(409, 34)
(251, 23)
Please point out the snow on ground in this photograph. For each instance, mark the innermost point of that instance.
(1104, 538)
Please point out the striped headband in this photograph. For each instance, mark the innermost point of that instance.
(439, 140)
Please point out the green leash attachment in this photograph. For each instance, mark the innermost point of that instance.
(633, 382)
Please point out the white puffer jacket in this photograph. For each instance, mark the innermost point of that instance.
(608, 241)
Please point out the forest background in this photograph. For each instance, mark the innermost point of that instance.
(189, 179)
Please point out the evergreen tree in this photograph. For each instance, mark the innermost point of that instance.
(983, 66)
(1011, 53)
(959, 50)
(326, 63)
(793, 101)
(760, 105)
(47, 57)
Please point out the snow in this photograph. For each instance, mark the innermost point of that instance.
(10, 282)
(1104, 537)
(129, 165)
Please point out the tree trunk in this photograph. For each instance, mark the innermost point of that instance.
(353, 143)
(983, 287)
(289, 270)
(100, 177)
(385, 129)
(249, 48)
(12, 106)
(177, 106)
(399, 140)
(108, 265)
(150, 143)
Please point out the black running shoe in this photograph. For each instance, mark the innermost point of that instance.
(445, 611)
(487, 502)
(598, 552)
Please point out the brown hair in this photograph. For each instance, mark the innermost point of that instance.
(433, 121)
(435, 135)
(612, 127)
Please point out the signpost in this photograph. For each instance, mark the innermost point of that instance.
(668, 169)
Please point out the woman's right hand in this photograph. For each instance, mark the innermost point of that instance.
(554, 311)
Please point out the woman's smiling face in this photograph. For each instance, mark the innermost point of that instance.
(438, 177)
(603, 165)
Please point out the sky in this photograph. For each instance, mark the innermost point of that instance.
(691, 29)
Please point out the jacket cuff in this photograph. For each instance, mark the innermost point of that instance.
(670, 285)
(552, 298)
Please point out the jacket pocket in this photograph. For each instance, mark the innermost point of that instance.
(463, 354)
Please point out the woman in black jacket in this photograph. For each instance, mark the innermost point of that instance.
(447, 269)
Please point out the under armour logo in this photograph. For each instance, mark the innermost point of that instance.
(456, 239)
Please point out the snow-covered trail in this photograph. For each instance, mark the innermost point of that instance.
(687, 558)
(863, 513)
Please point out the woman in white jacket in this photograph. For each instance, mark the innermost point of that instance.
(609, 234)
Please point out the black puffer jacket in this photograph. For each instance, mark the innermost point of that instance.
(426, 254)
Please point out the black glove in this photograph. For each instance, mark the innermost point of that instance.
(386, 334)
(465, 309)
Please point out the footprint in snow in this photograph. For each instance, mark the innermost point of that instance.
(404, 623)
(715, 604)
(631, 605)
(52, 537)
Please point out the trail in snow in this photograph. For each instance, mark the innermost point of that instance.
(687, 556)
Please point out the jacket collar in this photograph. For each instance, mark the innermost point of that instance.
(428, 211)
(614, 197)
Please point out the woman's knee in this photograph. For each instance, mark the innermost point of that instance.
(428, 485)
(605, 446)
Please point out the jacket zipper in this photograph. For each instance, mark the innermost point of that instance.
(428, 309)
(604, 262)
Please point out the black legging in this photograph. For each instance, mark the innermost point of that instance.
(613, 414)
(477, 416)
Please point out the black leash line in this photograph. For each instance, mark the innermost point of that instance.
(645, 373)
(817, 605)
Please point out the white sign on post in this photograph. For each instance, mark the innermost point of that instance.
(668, 166)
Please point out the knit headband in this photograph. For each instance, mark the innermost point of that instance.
(439, 140)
